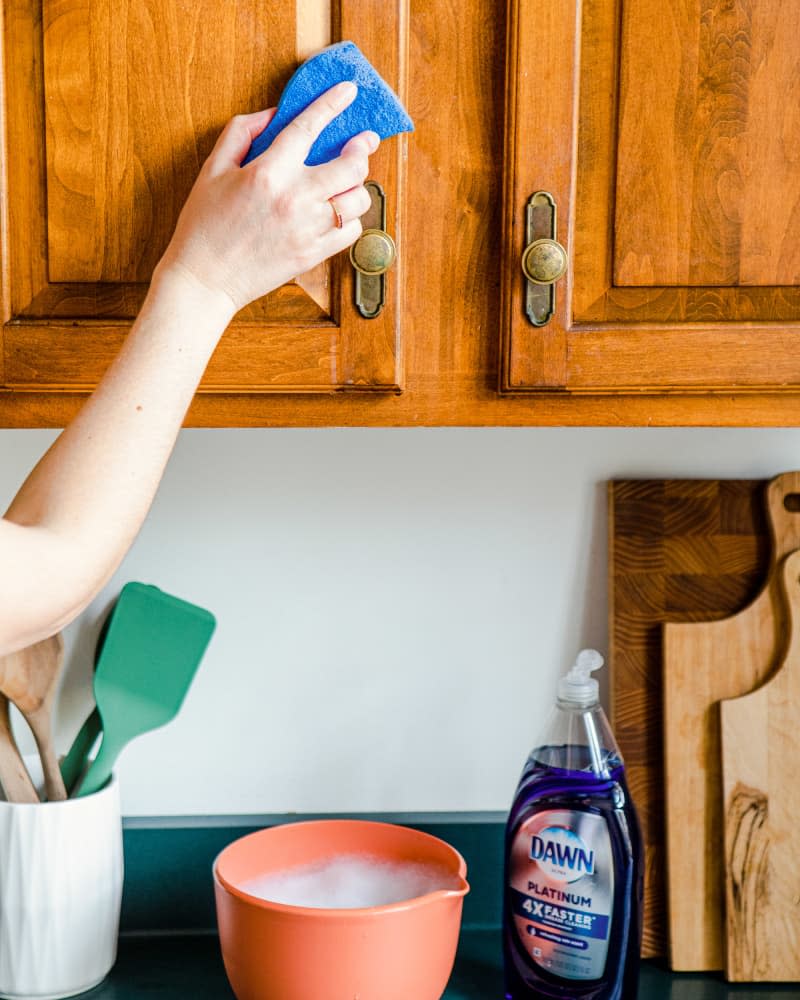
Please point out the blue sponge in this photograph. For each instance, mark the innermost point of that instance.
(376, 107)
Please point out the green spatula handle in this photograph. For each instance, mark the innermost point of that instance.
(99, 770)
(75, 761)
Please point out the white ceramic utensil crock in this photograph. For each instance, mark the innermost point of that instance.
(61, 874)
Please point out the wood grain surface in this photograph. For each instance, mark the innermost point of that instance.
(109, 110)
(679, 550)
(703, 663)
(680, 213)
(30, 679)
(713, 89)
(632, 355)
(130, 121)
(15, 781)
(760, 754)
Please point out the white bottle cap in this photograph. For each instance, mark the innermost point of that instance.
(578, 686)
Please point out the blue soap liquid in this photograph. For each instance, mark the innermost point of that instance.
(546, 784)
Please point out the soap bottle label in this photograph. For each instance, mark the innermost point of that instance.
(562, 891)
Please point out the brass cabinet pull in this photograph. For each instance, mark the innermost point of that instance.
(372, 255)
(544, 259)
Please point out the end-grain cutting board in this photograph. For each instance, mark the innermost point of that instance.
(680, 550)
(760, 759)
(703, 664)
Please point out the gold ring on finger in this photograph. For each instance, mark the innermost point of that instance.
(339, 221)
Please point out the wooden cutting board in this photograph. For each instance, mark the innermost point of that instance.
(679, 550)
(760, 759)
(702, 664)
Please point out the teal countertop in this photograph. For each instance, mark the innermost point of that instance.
(177, 967)
(169, 949)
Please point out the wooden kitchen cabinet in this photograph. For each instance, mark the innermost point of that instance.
(111, 107)
(668, 137)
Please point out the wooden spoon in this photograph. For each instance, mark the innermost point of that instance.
(29, 679)
(14, 778)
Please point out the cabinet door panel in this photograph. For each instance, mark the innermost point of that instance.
(668, 135)
(713, 91)
(111, 107)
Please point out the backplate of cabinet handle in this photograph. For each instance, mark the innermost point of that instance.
(544, 259)
(372, 255)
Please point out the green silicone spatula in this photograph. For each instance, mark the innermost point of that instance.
(154, 645)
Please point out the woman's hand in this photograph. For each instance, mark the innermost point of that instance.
(245, 231)
(242, 232)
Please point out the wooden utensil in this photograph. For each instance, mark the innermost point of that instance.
(760, 755)
(679, 550)
(29, 679)
(703, 664)
(14, 778)
(74, 761)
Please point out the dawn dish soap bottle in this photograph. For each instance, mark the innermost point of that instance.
(572, 907)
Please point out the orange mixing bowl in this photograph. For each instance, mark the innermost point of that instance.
(272, 951)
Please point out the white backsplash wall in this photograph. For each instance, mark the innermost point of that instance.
(394, 606)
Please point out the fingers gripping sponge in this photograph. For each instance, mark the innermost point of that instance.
(376, 107)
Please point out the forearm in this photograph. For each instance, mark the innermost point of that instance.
(242, 233)
(90, 493)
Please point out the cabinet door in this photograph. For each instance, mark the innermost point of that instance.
(111, 106)
(669, 137)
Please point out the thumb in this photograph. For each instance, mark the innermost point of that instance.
(235, 139)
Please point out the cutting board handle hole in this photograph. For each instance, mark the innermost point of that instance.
(792, 502)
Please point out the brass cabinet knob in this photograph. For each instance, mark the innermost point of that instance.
(544, 261)
(373, 253)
